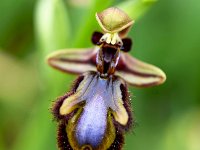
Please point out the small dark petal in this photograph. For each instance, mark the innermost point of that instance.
(118, 142)
(96, 36)
(63, 142)
(127, 43)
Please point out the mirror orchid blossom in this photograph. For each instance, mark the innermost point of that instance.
(96, 113)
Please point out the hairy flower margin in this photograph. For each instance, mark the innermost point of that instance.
(96, 113)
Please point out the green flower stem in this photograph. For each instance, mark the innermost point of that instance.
(52, 31)
(52, 25)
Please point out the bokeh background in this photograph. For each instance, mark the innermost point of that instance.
(166, 33)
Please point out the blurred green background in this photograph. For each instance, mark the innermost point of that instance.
(166, 33)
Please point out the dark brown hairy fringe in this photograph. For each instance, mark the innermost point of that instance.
(63, 142)
(118, 142)
(127, 105)
(59, 101)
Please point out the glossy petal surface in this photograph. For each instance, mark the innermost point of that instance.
(74, 61)
(92, 123)
(138, 73)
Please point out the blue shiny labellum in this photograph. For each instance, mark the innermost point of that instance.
(95, 103)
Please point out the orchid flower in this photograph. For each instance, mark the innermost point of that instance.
(96, 113)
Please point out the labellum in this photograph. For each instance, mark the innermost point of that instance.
(96, 113)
